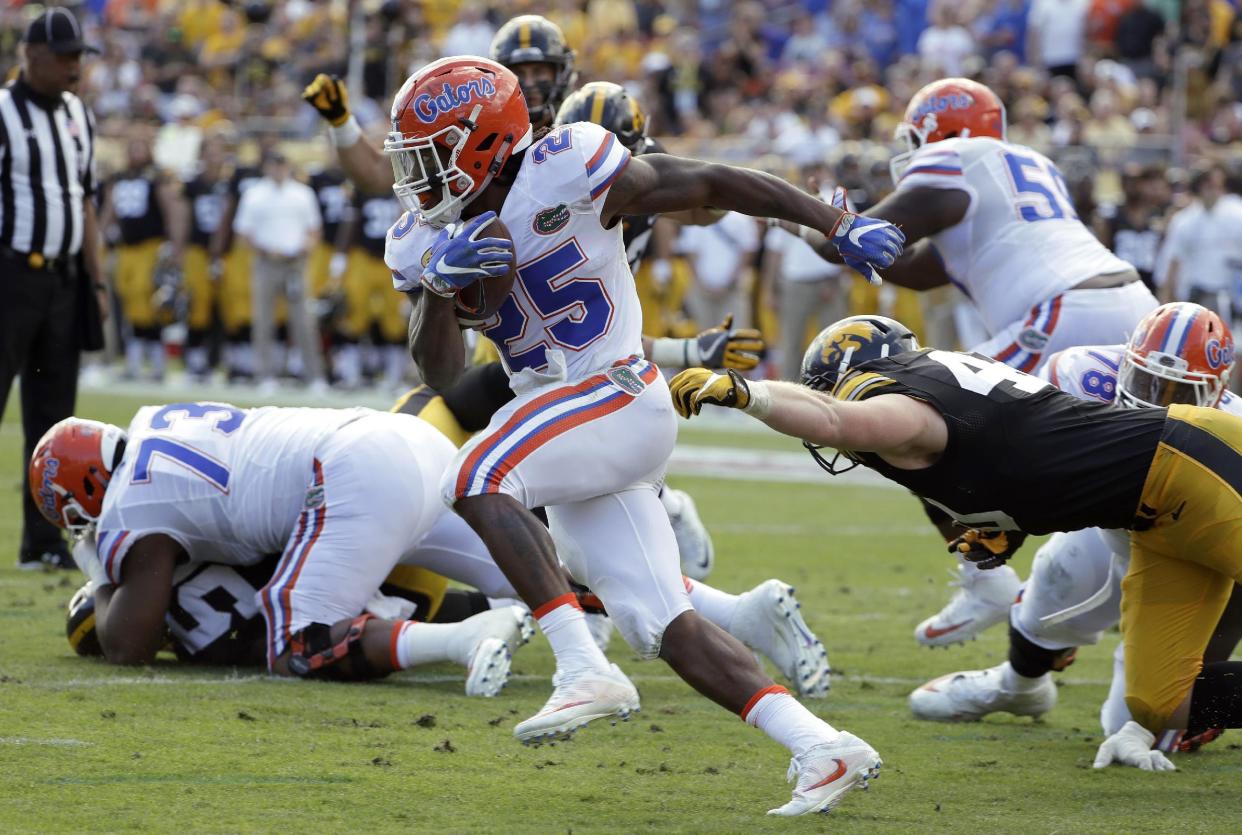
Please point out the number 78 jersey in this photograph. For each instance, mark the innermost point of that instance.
(574, 301)
(1021, 242)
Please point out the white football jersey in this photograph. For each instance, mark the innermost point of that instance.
(574, 309)
(1021, 242)
(1090, 373)
(227, 484)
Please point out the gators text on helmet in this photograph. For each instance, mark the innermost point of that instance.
(608, 105)
(944, 109)
(532, 39)
(71, 468)
(1180, 353)
(455, 123)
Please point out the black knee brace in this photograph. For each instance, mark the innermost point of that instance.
(1216, 700)
(1031, 660)
(312, 653)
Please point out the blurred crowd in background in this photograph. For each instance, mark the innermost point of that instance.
(1136, 100)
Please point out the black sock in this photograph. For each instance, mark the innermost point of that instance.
(459, 604)
(1216, 700)
(1032, 661)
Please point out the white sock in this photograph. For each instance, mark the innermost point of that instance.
(196, 360)
(156, 354)
(349, 364)
(565, 626)
(782, 717)
(672, 501)
(133, 357)
(1015, 683)
(416, 643)
(395, 360)
(969, 569)
(715, 605)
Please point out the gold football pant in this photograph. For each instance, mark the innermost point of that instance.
(1183, 567)
(196, 273)
(135, 281)
(369, 298)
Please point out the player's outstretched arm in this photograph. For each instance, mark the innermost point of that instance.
(904, 430)
(659, 183)
(130, 617)
(363, 163)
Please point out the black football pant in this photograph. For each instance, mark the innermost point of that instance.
(39, 344)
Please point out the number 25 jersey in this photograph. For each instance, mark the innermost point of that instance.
(1020, 242)
(573, 309)
(1020, 453)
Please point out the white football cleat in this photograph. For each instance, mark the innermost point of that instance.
(488, 670)
(971, 695)
(694, 543)
(983, 599)
(578, 699)
(827, 772)
(769, 621)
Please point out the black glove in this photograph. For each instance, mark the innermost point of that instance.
(987, 549)
(328, 95)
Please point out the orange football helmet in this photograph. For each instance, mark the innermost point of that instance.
(1180, 353)
(455, 123)
(944, 109)
(70, 470)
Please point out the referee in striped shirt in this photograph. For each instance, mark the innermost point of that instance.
(52, 292)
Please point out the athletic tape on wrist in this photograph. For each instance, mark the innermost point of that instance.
(760, 404)
(347, 134)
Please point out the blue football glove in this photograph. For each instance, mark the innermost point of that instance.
(865, 243)
(460, 257)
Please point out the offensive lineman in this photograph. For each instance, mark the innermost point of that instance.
(1004, 453)
(995, 219)
(1180, 353)
(590, 431)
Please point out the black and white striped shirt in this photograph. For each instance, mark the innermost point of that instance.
(47, 170)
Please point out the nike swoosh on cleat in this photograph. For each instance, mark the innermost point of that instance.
(568, 706)
(933, 632)
(836, 775)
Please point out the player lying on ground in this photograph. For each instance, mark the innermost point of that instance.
(343, 494)
(1181, 353)
(534, 48)
(1004, 452)
(995, 219)
(589, 434)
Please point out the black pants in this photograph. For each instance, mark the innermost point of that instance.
(39, 342)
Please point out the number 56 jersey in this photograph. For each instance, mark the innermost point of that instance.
(573, 310)
(226, 484)
(1020, 242)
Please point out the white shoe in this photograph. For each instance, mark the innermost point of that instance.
(971, 695)
(578, 699)
(769, 621)
(827, 772)
(983, 599)
(497, 635)
(600, 626)
(694, 543)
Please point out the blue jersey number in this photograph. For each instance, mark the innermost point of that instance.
(580, 306)
(226, 420)
(553, 143)
(1100, 385)
(1041, 190)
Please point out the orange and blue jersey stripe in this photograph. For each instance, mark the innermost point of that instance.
(1044, 318)
(606, 164)
(536, 423)
(936, 162)
(112, 565)
(278, 593)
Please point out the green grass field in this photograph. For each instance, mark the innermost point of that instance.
(84, 746)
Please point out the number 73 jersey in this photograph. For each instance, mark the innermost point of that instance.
(1021, 242)
(574, 303)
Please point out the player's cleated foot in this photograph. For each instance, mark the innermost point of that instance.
(826, 773)
(1178, 741)
(982, 600)
(768, 619)
(52, 558)
(694, 543)
(488, 670)
(578, 699)
(969, 696)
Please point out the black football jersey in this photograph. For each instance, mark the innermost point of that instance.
(207, 199)
(1021, 454)
(214, 615)
(135, 204)
(373, 216)
(333, 197)
(636, 229)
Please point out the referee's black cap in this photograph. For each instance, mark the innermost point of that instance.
(60, 30)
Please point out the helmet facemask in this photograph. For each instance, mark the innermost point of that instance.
(913, 137)
(1160, 379)
(419, 170)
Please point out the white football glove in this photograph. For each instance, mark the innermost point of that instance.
(1132, 746)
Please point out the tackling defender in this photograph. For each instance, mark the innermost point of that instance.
(1004, 452)
(1180, 353)
(590, 431)
(995, 219)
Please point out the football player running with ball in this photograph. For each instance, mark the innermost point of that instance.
(1005, 453)
(590, 431)
(1180, 353)
(996, 220)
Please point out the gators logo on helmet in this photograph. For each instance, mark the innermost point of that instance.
(850, 342)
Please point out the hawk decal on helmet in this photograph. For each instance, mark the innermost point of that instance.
(849, 342)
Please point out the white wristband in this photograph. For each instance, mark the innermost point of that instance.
(347, 134)
(675, 353)
(87, 559)
(760, 405)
